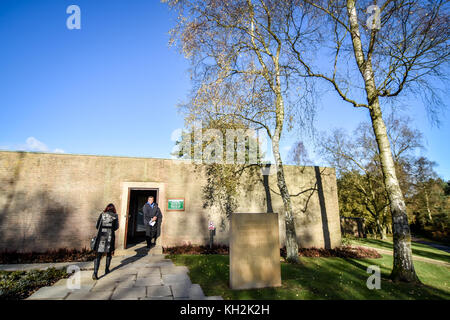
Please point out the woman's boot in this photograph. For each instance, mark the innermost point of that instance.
(96, 264)
(108, 262)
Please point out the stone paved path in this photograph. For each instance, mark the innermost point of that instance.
(143, 276)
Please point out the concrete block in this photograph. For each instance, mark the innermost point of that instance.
(254, 251)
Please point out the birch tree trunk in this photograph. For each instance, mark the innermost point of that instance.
(427, 202)
(403, 267)
(291, 234)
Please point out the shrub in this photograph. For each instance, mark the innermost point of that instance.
(341, 252)
(15, 285)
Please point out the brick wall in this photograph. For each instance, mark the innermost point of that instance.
(51, 201)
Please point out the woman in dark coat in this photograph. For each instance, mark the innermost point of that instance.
(107, 224)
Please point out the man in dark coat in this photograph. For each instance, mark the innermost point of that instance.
(152, 221)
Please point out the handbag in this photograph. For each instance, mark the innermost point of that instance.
(94, 239)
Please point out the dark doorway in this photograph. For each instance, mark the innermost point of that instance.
(136, 227)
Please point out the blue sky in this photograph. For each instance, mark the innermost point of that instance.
(111, 88)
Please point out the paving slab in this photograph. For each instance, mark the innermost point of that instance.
(60, 282)
(106, 285)
(125, 284)
(213, 298)
(128, 293)
(149, 272)
(180, 290)
(136, 265)
(84, 274)
(157, 298)
(184, 290)
(170, 279)
(85, 284)
(89, 295)
(158, 291)
(143, 276)
(196, 292)
(114, 263)
(161, 263)
(174, 270)
(53, 292)
(118, 277)
(129, 270)
(149, 281)
(158, 257)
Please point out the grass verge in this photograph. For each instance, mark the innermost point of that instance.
(418, 249)
(320, 278)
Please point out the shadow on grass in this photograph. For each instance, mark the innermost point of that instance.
(418, 249)
(423, 251)
(313, 278)
(407, 290)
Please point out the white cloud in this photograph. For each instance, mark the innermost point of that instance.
(176, 134)
(33, 144)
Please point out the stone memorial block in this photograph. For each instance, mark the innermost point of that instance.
(254, 251)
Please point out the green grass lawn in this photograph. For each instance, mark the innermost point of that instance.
(320, 278)
(418, 249)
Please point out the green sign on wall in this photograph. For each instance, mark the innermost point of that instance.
(175, 204)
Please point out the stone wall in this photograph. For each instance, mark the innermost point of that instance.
(51, 201)
(353, 226)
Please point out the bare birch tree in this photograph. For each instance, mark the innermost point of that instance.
(378, 52)
(239, 72)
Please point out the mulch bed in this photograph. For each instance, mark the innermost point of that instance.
(192, 249)
(61, 255)
(340, 252)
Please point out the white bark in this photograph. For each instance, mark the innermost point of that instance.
(403, 267)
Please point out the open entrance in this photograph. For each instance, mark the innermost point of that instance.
(136, 226)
